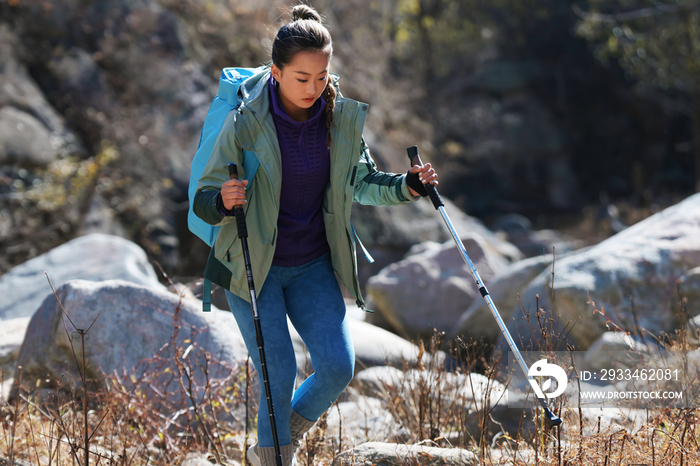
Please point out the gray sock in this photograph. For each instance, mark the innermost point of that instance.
(267, 455)
(299, 425)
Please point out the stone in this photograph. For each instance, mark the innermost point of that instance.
(101, 218)
(133, 333)
(431, 289)
(198, 459)
(388, 232)
(374, 346)
(15, 462)
(93, 257)
(24, 140)
(364, 419)
(519, 231)
(617, 350)
(11, 337)
(20, 93)
(477, 323)
(375, 381)
(644, 261)
(389, 454)
(463, 396)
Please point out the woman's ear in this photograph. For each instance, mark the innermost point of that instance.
(276, 72)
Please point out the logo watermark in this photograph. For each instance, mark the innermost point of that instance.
(542, 368)
(621, 379)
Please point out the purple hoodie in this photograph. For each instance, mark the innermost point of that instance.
(306, 164)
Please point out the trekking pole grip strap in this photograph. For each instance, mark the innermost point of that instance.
(430, 188)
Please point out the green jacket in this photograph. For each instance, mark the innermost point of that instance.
(250, 131)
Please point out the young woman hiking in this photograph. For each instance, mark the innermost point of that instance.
(313, 164)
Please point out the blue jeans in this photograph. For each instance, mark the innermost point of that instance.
(309, 294)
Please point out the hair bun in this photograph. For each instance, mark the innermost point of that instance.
(305, 12)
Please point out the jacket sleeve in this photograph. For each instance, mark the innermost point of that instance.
(226, 149)
(373, 187)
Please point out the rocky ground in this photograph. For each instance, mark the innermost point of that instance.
(625, 292)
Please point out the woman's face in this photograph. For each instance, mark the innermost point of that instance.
(301, 82)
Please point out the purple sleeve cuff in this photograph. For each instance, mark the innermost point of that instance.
(220, 207)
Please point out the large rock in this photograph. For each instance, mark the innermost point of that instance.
(477, 322)
(93, 257)
(374, 346)
(121, 71)
(389, 454)
(644, 262)
(134, 332)
(11, 337)
(364, 419)
(519, 231)
(23, 100)
(24, 140)
(617, 350)
(461, 396)
(389, 232)
(431, 289)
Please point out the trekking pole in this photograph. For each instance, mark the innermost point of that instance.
(552, 419)
(243, 235)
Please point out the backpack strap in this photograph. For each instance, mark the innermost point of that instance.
(206, 295)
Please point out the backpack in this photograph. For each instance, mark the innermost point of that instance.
(226, 101)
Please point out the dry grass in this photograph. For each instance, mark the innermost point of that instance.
(127, 427)
(159, 416)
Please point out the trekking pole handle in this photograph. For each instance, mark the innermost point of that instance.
(429, 187)
(238, 210)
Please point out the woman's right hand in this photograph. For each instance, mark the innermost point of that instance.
(233, 193)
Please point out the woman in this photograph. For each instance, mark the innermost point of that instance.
(313, 164)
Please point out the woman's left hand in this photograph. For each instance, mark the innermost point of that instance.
(426, 174)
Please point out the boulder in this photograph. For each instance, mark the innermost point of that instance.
(477, 322)
(93, 257)
(643, 262)
(431, 289)
(389, 454)
(376, 380)
(519, 231)
(462, 396)
(203, 459)
(364, 419)
(389, 232)
(24, 140)
(374, 346)
(22, 97)
(133, 333)
(11, 337)
(101, 218)
(15, 462)
(616, 350)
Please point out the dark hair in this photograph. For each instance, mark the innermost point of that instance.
(305, 33)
